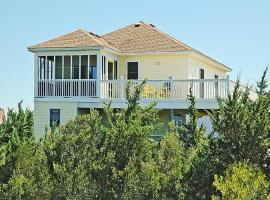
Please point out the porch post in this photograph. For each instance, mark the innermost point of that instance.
(99, 75)
(171, 86)
(122, 87)
(228, 85)
(36, 76)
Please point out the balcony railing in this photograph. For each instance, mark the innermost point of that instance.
(115, 89)
(66, 88)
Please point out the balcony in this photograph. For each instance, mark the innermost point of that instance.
(115, 89)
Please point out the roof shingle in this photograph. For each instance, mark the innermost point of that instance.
(142, 37)
(135, 38)
(79, 38)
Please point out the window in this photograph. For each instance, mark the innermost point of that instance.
(75, 67)
(177, 118)
(54, 117)
(67, 65)
(132, 70)
(202, 83)
(41, 67)
(84, 64)
(103, 67)
(201, 73)
(93, 67)
(110, 71)
(115, 70)
(58, 67)
(50, 62)
(216, 85)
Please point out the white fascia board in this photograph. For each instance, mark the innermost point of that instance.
(35, 50)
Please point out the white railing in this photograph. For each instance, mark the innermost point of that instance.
(66, 88)
(153, 89)
(168, 89)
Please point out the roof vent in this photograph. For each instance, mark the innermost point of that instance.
(94, 34)
(152, 25)
(137, 24)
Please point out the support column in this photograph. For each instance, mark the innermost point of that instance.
(228, 85)
(122, 87)
(36, 76)
(99, 76)
(171, 87)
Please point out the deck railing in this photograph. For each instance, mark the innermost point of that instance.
(153, 89)
(168, 89)
(66, 88)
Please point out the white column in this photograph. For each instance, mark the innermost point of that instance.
(70, 66)
(122, 87)
(228, 85)
(79, 81)
(99, 75)
(106, 68)
(36, 76)
(171, 86)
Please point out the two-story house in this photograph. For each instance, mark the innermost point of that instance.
(82, 70)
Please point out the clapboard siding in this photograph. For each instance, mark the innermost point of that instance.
(68, 110)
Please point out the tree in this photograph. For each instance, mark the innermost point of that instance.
(16, 130)
(242, 181)
(242, 127)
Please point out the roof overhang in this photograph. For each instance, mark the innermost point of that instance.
(55, 49)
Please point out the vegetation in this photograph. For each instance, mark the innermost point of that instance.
(112, 155)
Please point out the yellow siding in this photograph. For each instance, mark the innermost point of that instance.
(157, 66)
(210, 70)
(68, 110)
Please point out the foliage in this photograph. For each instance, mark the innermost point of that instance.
(242, 182)
(243, 128)
(111, 154)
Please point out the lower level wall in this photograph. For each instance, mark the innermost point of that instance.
(68, 110)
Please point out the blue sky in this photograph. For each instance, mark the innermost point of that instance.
(236, 33)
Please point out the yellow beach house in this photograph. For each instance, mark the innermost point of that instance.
(82, 70)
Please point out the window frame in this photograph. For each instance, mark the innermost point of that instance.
(49, 115)
(130, 61)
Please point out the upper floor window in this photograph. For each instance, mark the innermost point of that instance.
(67, 67)
(132, 70)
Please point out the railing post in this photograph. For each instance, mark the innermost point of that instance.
(122, 87)
(171, 86)
(228, 85)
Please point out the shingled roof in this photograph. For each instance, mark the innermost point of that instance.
(135, 38)
(79, 38)
(142, 37)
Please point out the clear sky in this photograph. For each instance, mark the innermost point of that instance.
(236, 33)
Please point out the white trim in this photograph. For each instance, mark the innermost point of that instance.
(36, 69)
(139, 75)
(63, 61)
(80, 66)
